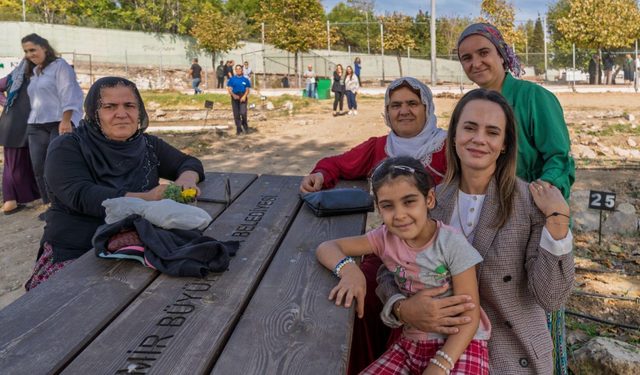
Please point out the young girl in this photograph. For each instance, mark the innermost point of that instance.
(421, 253)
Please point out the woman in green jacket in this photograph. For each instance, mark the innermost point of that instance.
(543, 139)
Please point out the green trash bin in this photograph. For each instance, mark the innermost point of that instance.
(324, 88)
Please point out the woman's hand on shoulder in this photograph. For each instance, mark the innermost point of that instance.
(548, 198)
(352, 285)
(312, 182)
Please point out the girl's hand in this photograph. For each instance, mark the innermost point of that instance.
(352, 285)
(64, 127)
(188, 180)
(548, 198)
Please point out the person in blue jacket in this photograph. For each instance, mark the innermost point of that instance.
(238, 87)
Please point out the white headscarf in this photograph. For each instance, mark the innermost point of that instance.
(429, 140)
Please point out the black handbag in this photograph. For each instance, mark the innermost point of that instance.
(338, 202)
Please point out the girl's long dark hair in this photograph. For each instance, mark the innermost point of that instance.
(50, 53)
(505, 173)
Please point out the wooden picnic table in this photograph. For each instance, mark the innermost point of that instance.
(267, 314)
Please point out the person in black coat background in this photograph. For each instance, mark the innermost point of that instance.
(338, 90)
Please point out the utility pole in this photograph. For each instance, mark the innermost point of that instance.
(544, 29)
(264, 61)
(382, 49)
(434, 77)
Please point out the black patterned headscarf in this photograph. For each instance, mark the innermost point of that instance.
(130, 165)
(490, 32)
(93, 102)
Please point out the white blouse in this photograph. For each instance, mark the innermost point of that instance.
(54, 92)
(470, 208)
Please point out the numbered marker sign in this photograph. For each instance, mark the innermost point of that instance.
(263, 98)
(208, 104)
(602, 200)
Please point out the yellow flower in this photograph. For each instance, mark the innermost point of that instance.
(189, 193)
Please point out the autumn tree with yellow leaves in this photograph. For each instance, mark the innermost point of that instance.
(212, 31)
(600, 23)
(397, 35)
(295, 26)
(501, 14)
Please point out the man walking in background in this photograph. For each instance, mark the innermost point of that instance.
(608, 69)
(310, 81)
(238, 87)
(220, 75)
(196, 76)
(246, 71)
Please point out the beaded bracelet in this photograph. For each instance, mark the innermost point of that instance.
(341, 264)
(437, 363)
(445, 356)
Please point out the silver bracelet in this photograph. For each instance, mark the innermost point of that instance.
(445, 356)
(437, 363)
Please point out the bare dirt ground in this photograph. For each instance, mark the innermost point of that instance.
(292, 144)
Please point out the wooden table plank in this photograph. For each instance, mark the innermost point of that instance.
(289, 326)
(213, 187)
(44, 329)
(178, 325)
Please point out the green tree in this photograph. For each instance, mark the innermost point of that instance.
(294, 25)
(502, 15)
(449, 29)
(397, 38)
(524, 46)
(245, 11)
(212, 31)
(354, 35)
(598, 23)
(536, 48)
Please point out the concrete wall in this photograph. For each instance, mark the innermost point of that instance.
(139, 49)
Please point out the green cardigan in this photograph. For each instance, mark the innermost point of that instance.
(543, 138)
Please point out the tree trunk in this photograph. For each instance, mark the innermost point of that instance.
(295, 67)
(598, 79)
(399, 63)
(213, 62)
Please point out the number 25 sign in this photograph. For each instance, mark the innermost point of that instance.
(602, 200)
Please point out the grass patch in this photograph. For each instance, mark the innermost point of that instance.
(616, 129)
(177, 100)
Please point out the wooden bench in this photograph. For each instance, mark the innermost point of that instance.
(267, 314)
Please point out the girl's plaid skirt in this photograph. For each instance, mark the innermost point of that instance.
(412, 357)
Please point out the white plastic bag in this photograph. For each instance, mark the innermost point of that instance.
(165, 214)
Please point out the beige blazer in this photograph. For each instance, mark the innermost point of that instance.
(518, 281)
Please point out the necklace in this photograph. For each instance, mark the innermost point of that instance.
(460, 219)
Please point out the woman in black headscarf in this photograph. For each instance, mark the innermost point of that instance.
(107, 156)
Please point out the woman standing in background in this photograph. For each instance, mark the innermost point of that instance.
(55, 98)
(18, 182)
(358, 65)
(351, 88)
(338, 90)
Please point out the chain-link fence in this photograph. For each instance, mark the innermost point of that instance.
(162, 61)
